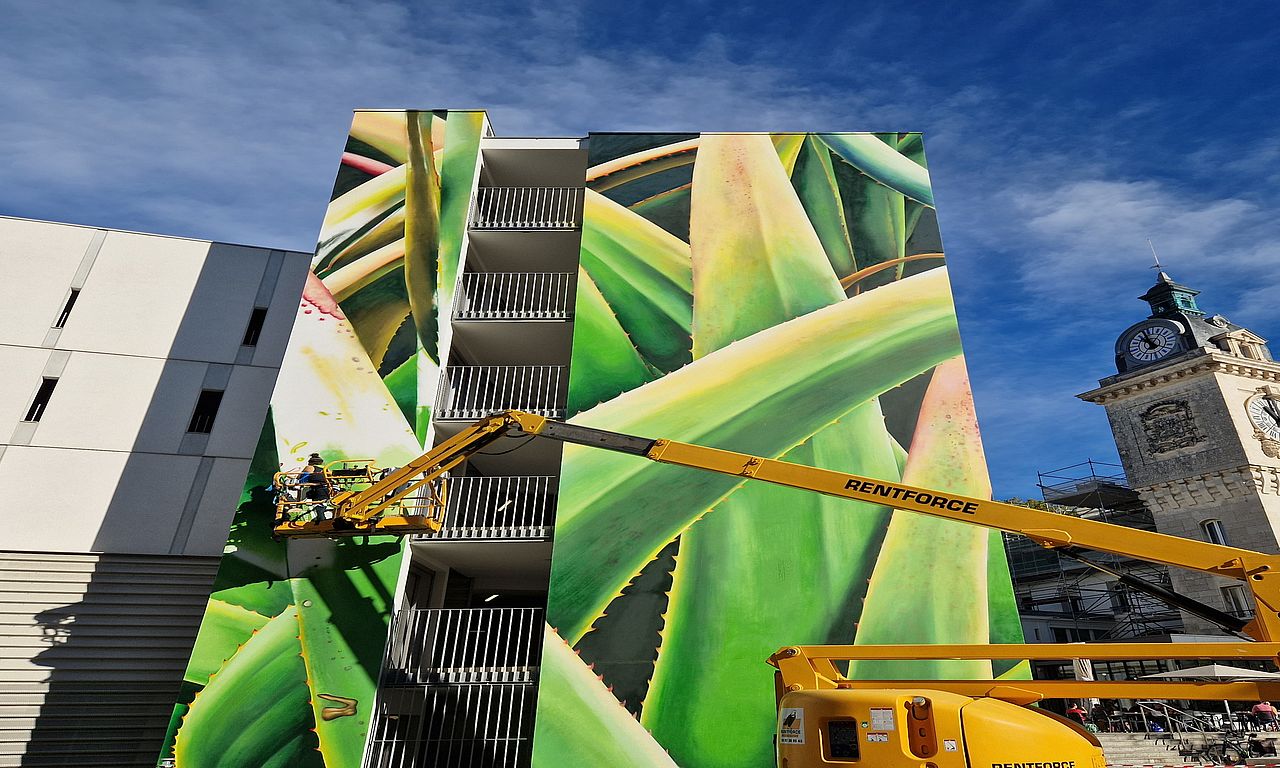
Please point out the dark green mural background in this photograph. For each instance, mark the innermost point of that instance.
(782, 295)
(284, 670)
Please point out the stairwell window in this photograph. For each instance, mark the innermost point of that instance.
(254, 331)
(206, 411)
(66, 308)
(1214, 533)
(41, 401)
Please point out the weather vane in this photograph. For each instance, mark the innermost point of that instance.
(1157, 266)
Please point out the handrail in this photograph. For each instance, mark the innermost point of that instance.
(527, 208)
(514, 296)
(475, 391)
(500, 507)
(439, 646)
(1175, 725)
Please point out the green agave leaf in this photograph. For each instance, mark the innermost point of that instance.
(788, 147)
(458, 171)
(604, 363)
(814, 179)
(360, 209)
(644, 273)
(332, 400)
(1019, 671)
(343, 615)
(622, 646)
(377, 311)
(915, 595)
(861, 347)
(422, 231)
(876, 217)
(747, 228)
(580, 723)
(351, 246)
(767, 567)
(668, 209)
(254, 711)
(911, 146)
(883, 163)
(1002, 606)
(355, 276)
(737, 556)
(914, 211)
(402, 383)
(223, 630)
(257, 591)
(382, 130)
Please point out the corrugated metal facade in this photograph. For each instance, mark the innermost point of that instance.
(92, 650)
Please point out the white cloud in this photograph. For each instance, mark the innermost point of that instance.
(1092, 230)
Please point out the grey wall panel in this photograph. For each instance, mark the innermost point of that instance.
(92, 650)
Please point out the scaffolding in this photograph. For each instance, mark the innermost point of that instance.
(1075, 602)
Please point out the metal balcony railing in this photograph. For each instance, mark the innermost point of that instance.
(527, 208)
(475, 391)
(453, 726)
(438, 646)
(510, 507)
(514, 296)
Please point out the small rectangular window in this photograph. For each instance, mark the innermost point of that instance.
(206, 411)
(41, 401)
(66, 308)
(1214, 532)
(254, 331)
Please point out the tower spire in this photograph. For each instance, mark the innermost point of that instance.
(1155, 257)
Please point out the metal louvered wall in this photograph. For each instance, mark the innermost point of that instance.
(92, 651)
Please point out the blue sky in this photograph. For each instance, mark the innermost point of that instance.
(1060, 136)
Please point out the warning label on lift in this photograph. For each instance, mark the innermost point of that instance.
(791, 725)
(881, 719)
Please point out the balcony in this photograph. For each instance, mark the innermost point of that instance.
(514, 296)
(453, 726)
(458, 689)
(469, 392)
(498, 508)
(527, 208)
(438, 646)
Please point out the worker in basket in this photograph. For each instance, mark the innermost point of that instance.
(313, 485)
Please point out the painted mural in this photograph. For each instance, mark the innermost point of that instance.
(783, 295)
(285, 666)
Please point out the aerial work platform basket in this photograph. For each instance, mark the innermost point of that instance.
(308, 501)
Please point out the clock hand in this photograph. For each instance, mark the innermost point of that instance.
(1272, 410)
(1146, 339)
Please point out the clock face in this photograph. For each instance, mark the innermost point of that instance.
(1152, 342)
(1265, 415)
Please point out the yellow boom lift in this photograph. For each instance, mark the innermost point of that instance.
(825, 718)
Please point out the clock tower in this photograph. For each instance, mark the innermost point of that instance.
(1195, 410)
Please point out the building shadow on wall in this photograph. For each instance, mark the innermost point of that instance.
(115, 656)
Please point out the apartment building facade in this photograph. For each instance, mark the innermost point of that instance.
(136, 373)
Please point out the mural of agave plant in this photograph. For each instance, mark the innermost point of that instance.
(783, 295)
(779, 295)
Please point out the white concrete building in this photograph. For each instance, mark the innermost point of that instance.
(136, 372)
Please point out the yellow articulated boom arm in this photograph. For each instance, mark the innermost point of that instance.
(370, 511)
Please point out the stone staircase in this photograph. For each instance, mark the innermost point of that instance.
(1160, 749)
